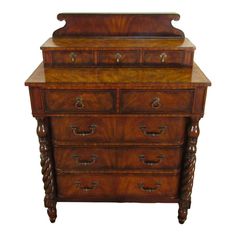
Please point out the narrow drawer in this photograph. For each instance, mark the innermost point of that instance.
(77, 58)
(157, 57)
(151, 158)
(118, 129)
(156, 101)
(117, 187)
(118, 57)
(77, 101)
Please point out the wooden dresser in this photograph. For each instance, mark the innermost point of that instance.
(118, 99)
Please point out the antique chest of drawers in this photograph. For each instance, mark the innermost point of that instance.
(118, 99)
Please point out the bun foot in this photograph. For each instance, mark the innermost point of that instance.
(52, 213)
(182, 215)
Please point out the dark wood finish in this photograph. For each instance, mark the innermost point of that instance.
(47, 168)
(122, 158)
(118, 129)
(124, 125)
(188, 168)
(73, 57)
(118, 25)
(79, 101)
(117, 187)
(154, 101)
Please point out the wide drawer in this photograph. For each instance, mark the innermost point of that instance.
(78, 58)
(129, 158)
(156, 101)
(117, 187)
(118, 129)
(79, 101)
(118, 57)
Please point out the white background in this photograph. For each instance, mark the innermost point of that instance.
(25, 25)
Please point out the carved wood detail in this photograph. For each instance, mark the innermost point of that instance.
(47, 169)
(84, 25)
(188, 170)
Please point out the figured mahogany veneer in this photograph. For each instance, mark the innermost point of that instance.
(118, 100)
(110, 187)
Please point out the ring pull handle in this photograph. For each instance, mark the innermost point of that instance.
(79, 103)
(73, 56)
(161, 130)
(144, 188)
(76, 131)
(85, 162)
(83, 188)
(149, 162)
(163, 57)
(118, 57)
(156, 103)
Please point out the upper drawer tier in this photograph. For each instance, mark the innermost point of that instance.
(118, 57)
(77, 101)
(156, 101)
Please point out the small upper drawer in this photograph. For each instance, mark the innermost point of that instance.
(73, 57)
(155, 101)
(118, 57)
(77, 101)
(163, 57)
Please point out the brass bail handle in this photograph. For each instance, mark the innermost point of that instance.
(163, 57)
(118, 57)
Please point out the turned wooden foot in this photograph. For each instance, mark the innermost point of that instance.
(52, 213)
(183, 212)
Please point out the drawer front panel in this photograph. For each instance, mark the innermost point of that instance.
(118, 57)
(157, 101)
(118, 187)
(84, 158)
(153, 130)
(73, 57)
(83, 129)
(163, 57)
(117, 158)
(119, 129)
(76, 101)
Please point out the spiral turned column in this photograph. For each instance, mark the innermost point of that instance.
(188, 170)
(47, 169)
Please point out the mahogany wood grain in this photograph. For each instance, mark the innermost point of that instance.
(156, 101)
(123, 187)
(119, 129)
(118, 99)
(122, 158)
(80, 101)
(118, 25)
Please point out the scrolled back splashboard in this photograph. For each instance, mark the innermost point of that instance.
(118, 100)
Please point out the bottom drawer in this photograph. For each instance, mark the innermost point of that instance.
(117, 187)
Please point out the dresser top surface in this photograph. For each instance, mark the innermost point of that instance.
(182, 76)
(117, 42)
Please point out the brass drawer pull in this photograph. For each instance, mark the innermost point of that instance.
(142, 187)
(161, 130)
(93, 186)
(156, 103)
(85, 162)
(118, 57)
(73, 56)
(76, 131)
(79, 103)
(163, 57)
(151, 163)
